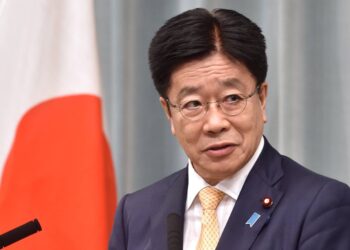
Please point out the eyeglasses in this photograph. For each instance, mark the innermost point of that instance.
(230, 105)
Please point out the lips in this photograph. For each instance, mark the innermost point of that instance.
(219, 149)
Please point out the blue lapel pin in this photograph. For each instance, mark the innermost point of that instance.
(254, 218)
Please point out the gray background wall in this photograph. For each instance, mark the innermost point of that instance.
(308, 105)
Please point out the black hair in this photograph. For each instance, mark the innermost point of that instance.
(197, 33)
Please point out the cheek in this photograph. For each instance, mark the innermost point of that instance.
(257, 127)
(187, 133)
(250, 125)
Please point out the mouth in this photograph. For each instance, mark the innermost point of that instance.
(219, 149)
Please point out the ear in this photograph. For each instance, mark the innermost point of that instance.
(167, 112)
(263, 99)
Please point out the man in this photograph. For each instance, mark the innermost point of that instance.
(237, 191)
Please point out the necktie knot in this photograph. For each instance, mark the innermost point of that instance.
(210, 197)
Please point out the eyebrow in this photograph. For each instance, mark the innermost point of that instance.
(187, 91)
(231, 82)
(228, 83)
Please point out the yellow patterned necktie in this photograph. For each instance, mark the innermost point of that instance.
(209, 197)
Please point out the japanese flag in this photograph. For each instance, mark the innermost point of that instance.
(55, 162)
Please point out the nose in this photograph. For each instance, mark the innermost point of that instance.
(215, 121)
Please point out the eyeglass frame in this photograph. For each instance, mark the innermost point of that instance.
(206, 105)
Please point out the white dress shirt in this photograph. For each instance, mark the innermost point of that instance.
(231, 187)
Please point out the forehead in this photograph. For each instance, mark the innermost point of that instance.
(213, 72)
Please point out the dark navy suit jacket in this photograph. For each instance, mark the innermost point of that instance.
(309, 211)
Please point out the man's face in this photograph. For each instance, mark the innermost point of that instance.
(218, 145)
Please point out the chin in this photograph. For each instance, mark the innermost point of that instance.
(215, 178)
(221, 173)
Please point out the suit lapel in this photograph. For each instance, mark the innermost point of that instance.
(259, 184)
(174, 202)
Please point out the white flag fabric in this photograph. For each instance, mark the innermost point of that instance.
(55, 163)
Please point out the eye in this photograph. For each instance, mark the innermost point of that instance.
(191, 105)
(232, 99)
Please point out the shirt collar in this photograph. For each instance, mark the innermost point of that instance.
(231, 186)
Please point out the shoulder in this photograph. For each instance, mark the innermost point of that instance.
(292, 178)
(149, 197)
(320, 205)
(316, 208)
(300, 183)
(157, 189)
(135, 211)
(307, 180)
